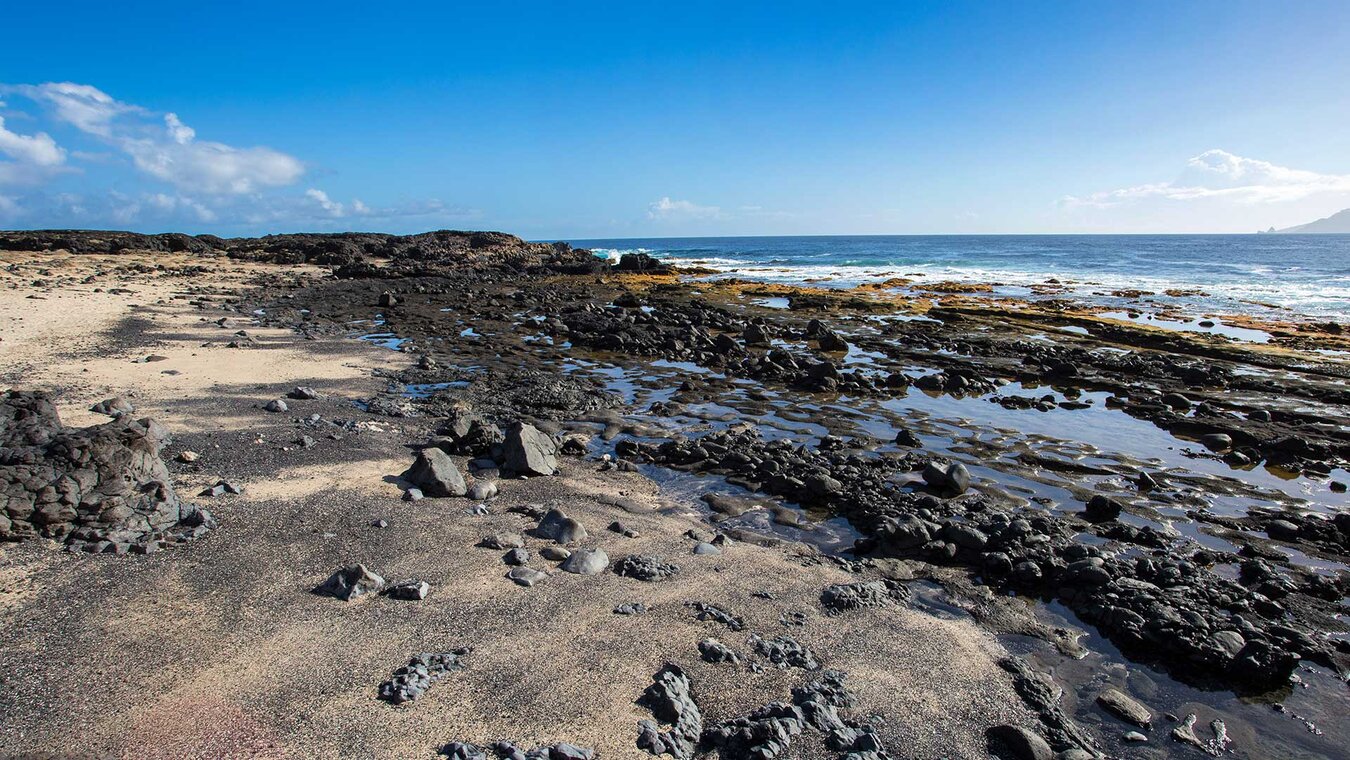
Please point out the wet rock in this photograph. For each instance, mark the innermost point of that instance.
(557, 526)
(586, 562)
(275, 406)
(436, 474)
(1102, 509)
(1125, 707)
(907, 439)
(1282, 530)
(526, 576)
(1217, 441)
(949, 480)
(412, 680)
(526, 451)
(755, 335)
(349, 582)
(1017, 743)
(1176, 401)
(409, 590)
(645, 567)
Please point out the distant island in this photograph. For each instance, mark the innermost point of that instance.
(1337, 223)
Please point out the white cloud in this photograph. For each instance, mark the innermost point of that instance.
(34, 157)
(1218, 174)
(86, 107)
(320, 197)
(170, 152)
(180, 132)
(672, 209)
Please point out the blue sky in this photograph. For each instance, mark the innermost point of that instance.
(628, 120)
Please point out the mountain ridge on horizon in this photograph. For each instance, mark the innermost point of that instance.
(1336, 224)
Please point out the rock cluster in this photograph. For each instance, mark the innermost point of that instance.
(672, 703)
(507, 751)
(645, 567)
(769, 731)
(98, 489)
(1164, 607)
(424, 669)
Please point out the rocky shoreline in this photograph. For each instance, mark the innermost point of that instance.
(1180, 496)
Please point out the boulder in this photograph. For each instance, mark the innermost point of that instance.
(436, 474)
(526, 451)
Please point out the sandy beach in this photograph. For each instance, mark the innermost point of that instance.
(218, 646)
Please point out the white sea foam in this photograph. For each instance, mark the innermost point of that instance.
(1323, 299)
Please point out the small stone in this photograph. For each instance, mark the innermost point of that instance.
(413, 494)
(705, 548)
(379, 524)
(554, 553)
(1134, 736)
(350, 582)
(1217, 441)
(188, 457)
(1125, 707)
(409, 590)
(482, 490)
(517, 557)
(504, 541)
(630, 608)
(303, 393)
(526, 576)
(275, 406)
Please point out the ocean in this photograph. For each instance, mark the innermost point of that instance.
(1273, 276)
